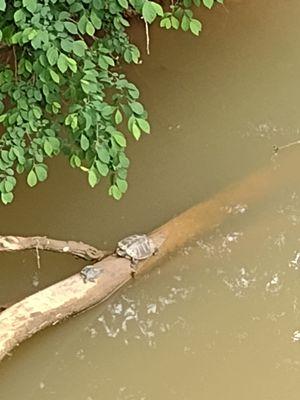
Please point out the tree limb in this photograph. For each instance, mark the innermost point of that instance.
(79, 249)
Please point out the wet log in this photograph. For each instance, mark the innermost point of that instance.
(78, 249)
(72, 295)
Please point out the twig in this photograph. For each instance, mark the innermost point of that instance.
(147, 38)
(38, 258)
(15, 62)
(285, 146)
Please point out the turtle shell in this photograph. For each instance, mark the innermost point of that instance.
(90, 273)
(137, 247)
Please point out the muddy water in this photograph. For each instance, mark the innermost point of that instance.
(222, 318)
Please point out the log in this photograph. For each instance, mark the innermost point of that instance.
(72, 295)
(78, 249)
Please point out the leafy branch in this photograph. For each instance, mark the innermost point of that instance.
(63, 90)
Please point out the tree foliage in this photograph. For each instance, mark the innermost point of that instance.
(64, 91)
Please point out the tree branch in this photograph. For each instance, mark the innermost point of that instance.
(79, 249)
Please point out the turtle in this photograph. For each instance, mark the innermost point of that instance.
(136, 247)
(90, 273)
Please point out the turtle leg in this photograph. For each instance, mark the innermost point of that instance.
(119, 253)
(86, 279)
(133, 265)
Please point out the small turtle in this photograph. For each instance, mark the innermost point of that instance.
(90, 273)
(136, 247)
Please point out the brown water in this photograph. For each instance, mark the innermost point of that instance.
(222, 318)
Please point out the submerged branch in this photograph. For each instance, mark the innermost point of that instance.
(78, 249)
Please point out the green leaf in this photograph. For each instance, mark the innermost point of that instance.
(85, 85)
(124, 161)
(41, 172)
(7, 197)
(62, 63)
(48, 148)
(109, 60)
(82, 24)
(8, 185)
(71, 27)
(52, 55)
(195, 26)
(20, 168)
(102, 63)
(107, 111)
(79, 47)
(75, 161)
(165, 23)
(2, 5)
(19, 15)
(123, 3)
(72, 64)
(143, 124)
(90, 30)
(67, 45)
(158, 8)
(103, 154)
(54, 75)
(59, 26)
(185, 23)
(118, 117)
(96, 21)
(136, 131)
(92, 178)
(102, 168)
(56, 107)
(84, 142)
(55, 142)
(174, 22)
(98, 4)
(149, 11)
(37, 112)
(3, 117)
(136, 107)
(30, 5)
(122, 185)
(75, 7)
(208, 3)
(32, 178)
(119, 138)
(115, 192)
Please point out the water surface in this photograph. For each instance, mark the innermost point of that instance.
(221, 319)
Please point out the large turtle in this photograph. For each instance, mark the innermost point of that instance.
(136, 248)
